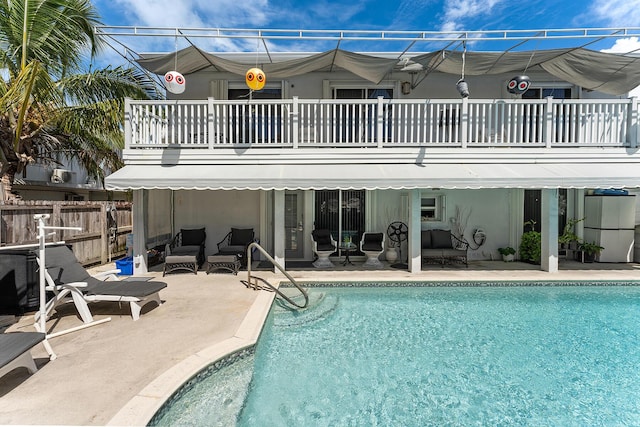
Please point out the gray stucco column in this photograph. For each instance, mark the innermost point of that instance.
(139, 237)
(414, 247)
(278, 227)
(549, 229)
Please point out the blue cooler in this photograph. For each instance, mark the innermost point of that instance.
(125, 265)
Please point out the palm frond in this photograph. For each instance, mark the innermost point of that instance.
(108, 83)
(59, 33)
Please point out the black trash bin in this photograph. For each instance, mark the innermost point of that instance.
(19, 281)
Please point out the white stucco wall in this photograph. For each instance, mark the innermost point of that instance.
(489, 210)
(218, 211)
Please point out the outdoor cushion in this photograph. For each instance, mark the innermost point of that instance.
(13, 344)
(193, 237)
(186, 250)
(63, 267)
(426, 239)
(373, 242)
(241, 236)
(232, 249)
(326, 247)
(322, 237)
(441, 239)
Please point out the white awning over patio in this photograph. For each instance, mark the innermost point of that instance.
(375, 176)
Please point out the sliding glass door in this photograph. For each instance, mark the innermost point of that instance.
(342, 212)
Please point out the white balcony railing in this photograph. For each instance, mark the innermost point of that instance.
(382, 123)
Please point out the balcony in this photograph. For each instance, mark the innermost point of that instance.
(301, 124)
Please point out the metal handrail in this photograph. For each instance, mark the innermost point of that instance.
(282, 270)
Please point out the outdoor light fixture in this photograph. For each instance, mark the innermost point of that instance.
(463, 88)
(461, 85)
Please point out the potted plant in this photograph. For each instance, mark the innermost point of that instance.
(508, 253)
(531, 245)
(568, 239)
(591, 250)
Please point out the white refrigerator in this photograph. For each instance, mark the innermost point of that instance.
(610, 222)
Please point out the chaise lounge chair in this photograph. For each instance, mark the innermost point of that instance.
(15, 351)
(69, 281)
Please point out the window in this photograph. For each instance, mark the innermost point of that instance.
(431, 208)
(342, 212)
(258, 122)
(356, 122)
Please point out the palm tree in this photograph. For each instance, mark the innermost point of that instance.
(50, 105)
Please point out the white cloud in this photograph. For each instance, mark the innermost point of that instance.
(457, 11)
(615, 13)
(195, 13)
(627, 45)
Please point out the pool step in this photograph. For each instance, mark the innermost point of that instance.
(320, 306)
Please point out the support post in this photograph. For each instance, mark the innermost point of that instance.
(549, 234)
(139, 237)
(295, 121)
(380, 122)
(464, 122)
(278, 228)
(414, 246)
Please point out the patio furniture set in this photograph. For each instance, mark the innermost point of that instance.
(186, 251)
(371, 244)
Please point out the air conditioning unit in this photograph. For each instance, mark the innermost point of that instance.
(60, 176)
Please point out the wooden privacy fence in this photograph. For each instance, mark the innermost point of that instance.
(104, 225)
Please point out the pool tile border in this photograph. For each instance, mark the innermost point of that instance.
(142, 408)
(464, 283)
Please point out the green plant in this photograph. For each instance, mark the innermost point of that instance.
(531, 244)
(590, 248)
(568, 235)
(507, 251)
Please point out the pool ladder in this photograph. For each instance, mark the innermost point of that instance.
(254, 285)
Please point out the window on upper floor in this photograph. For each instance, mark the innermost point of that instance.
(545, 92)
(265, 93)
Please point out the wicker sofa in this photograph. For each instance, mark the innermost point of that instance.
(442, 247)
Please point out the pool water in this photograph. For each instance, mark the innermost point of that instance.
(418, 356)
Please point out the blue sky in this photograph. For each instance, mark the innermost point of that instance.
(373, 14)
(426, 15)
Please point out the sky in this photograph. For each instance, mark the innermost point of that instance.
(373, 14)
(425, 15)
(387, 15)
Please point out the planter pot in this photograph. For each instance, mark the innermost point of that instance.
(508, 258)
(391, 255)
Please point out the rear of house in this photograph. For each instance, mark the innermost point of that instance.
(353, 142)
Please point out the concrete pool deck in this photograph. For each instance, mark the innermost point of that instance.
(118, 372)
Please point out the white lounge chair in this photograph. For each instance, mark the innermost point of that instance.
(15, 351)
(70, 281)
(323, 245)
(372, 244)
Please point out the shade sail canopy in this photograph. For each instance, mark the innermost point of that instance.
(192, 59)
(375, 176)
(605, 72)
(610, 73)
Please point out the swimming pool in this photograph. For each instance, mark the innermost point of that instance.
(526, 355)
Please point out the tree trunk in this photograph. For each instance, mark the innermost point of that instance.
(6, 182)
